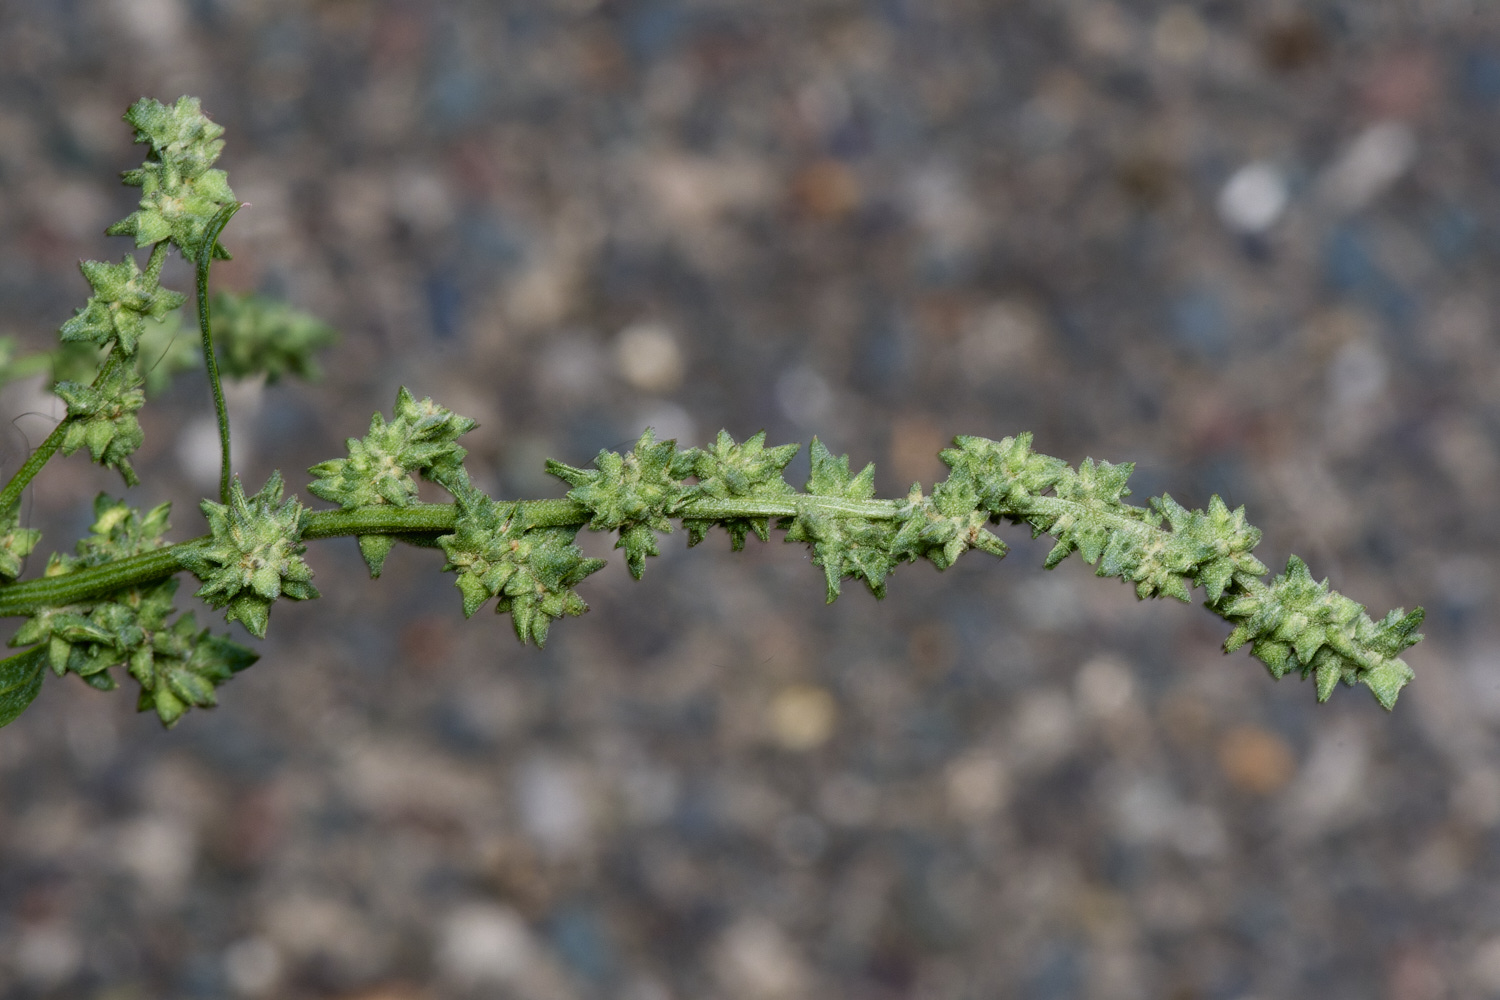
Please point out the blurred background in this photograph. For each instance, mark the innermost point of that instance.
(1248, 246)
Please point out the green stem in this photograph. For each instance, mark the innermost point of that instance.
(11, 495)
(205, 260)
(154, 264)
(423, 519)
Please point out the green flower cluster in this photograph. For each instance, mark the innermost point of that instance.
(1293, 624)
(180, 192)
(420, 439)
(1298, 624)
(16, 542)
(844, 544)
(634, 494)
(102, 417)
(124, 298)
(1164, 549)
(727, 470)
(254, 555)
(532, 570)
(177, 665)
(254, 334)
(181, 196)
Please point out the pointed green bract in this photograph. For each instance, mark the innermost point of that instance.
(634, 493)
(1299, 624)
(419, 440)
(944, 526)
(180, 193)
(254, 555)
(531, 570)
(131, 626)
(843, 544)
(727, 470)
(16, 542)
(183, 667)
(102, 417)
(1293, 624)
(124, 298)
(20, 682)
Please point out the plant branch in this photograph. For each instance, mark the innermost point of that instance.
(11, 495)
(39, 458)
(205, 261)
(382, 519)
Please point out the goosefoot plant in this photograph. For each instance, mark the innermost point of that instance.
(111, 604)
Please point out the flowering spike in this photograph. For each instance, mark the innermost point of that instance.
(180, 194)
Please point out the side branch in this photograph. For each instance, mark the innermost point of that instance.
(31, 596)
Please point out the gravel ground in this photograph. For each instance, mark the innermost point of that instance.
(1244, 245)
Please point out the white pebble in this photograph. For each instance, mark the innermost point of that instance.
(648, 357)
(1253, 199)
(482, 943)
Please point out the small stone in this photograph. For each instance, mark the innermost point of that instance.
(1375, 160)
(1485, 966)
(1105, 687)
(648, 357)
(754, 960)
(160, 851)
(804, 396)
(482, 943)
(1253, 199)
(554, 808)
(47, 954)
(827, 189)
(802, 717)
(1256, 760)
(978, 785)
(252, 966)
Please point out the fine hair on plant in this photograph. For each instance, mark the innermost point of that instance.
(107, 610)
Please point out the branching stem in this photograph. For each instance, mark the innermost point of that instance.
(37, 459)
(416, 520)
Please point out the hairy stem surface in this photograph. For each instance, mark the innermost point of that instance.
(205, 261)
(416, 520)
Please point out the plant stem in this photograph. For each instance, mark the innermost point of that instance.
(416, 520)
(11, 495)
(205, 260)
